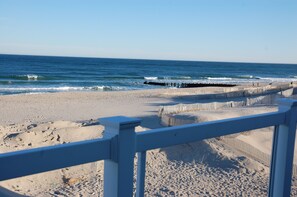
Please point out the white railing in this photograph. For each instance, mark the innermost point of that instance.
(121, 142)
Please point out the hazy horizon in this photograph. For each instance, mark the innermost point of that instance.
(124, 58)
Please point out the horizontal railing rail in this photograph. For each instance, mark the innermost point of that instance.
(36, 160)
(159, 138)
(120, 144)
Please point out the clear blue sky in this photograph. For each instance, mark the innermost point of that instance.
(211, 30)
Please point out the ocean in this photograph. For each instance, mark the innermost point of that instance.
(41, 74)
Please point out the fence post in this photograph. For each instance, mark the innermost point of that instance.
(283, 151)
(119, 170)
(140, 182)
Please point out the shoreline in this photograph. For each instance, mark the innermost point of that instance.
(92, 105)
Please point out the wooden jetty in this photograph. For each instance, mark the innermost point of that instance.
(189, 84)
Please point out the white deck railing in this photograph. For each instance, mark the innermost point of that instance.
(120, 144)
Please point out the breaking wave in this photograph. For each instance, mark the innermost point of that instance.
(246, 76)
(168, 78)
(60, 89)
(150, 78)
(34, 77)
(26, 77)
(219, 78)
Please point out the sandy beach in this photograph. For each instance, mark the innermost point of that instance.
(206, 168)
(196, 98)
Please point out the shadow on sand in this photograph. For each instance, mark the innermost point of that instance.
(7, 193)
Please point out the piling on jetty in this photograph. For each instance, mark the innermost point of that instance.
(185, 84)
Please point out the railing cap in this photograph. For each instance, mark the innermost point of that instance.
(120, 122)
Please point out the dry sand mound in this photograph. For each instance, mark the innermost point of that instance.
(28, 135)
(203, 169)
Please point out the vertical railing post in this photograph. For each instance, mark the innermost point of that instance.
(119, 170)
(283, 151)
(140, 182)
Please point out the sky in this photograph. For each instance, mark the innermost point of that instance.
(205, 30)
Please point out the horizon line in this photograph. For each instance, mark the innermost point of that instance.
(123, 58)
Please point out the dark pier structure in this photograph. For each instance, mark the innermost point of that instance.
(185, 84)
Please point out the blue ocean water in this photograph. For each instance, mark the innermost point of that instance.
(38, 74)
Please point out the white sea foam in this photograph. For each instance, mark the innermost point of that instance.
(31, 77)
(184, 77)
(66, 88)
(150, 78)
(173, 77)
(270, 79)
(219, 78)
(32, 93)
(60, 89)
(246, 76)
(225, 80)
(105, 88)
(96, 87)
